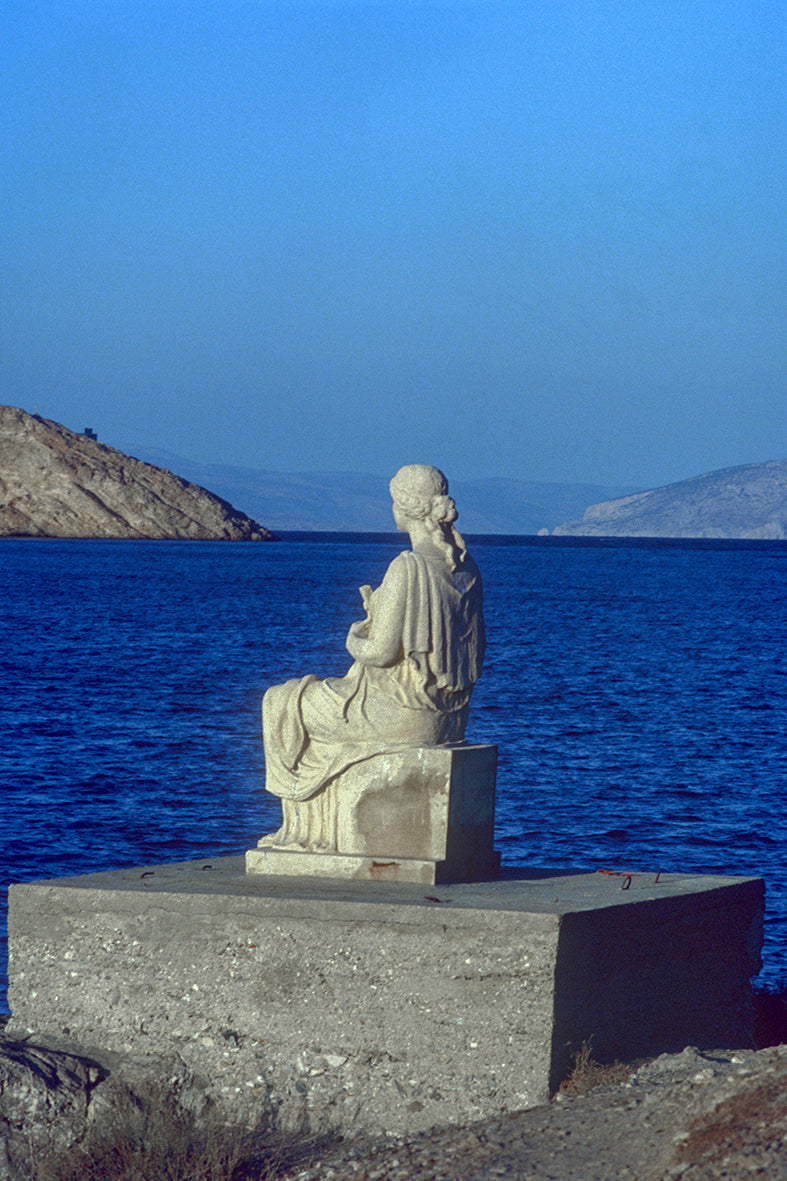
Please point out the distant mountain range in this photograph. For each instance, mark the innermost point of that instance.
(56, 483)
(747, 502)
(344, 502)
(740, 502)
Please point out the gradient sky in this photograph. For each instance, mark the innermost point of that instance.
(544, 240)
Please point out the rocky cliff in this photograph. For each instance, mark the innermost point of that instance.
(748, 502)
(55, 483)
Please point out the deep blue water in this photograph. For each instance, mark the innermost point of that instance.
(637, 692)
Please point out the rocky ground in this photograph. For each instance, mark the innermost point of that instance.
(682, 1117)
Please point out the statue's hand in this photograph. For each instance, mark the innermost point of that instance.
(356, 637)
(366, 597)
(360, 629)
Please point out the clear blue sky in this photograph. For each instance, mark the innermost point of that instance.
(544, 240)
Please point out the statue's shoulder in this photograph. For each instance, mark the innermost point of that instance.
(409, 568)
(403, 560)
(399, 568)
(408, 562)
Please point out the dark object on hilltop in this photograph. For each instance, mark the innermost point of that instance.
(739, 503)
(56, 483)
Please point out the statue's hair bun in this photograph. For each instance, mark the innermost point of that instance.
(443, 510)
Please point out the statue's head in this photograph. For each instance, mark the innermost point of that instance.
(420, 492)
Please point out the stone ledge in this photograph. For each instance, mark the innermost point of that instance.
(299, 863)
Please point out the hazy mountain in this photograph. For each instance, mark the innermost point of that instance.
(345, 502)
(55, 483)
(737, 502)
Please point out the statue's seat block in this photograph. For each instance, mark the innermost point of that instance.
(421, 814)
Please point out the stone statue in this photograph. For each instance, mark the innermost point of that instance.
(416, 656)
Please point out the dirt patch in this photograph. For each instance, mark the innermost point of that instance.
(743, 1134)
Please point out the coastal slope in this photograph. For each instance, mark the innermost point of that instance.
(56, 483)
(740, 503)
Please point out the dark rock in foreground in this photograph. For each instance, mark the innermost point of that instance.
(56, 483)
(65, 1115)
(44, 1101)
(746, 503)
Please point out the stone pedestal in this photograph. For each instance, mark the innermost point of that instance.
(423, 814)
(383, 1006)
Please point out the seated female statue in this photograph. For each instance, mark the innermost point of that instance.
(416, 655)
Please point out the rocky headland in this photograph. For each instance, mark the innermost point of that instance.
(56, 483)
(738, 503)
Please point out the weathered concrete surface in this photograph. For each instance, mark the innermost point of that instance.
(381, 1006)
(420, 814)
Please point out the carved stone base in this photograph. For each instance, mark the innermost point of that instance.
(419, 814)
(297, 863)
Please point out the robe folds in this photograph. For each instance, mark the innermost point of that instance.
(417, 656)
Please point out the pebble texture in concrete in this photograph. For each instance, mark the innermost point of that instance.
(381, 1006)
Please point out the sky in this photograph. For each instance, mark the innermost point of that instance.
(541, 241)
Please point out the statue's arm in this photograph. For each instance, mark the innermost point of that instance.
(378, 639)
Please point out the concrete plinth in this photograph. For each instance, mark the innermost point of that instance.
(371, 1005)
(417, 814)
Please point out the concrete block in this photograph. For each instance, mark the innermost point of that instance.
(417, 814)
(382, 1006)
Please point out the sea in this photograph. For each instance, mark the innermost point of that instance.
(637, 691)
